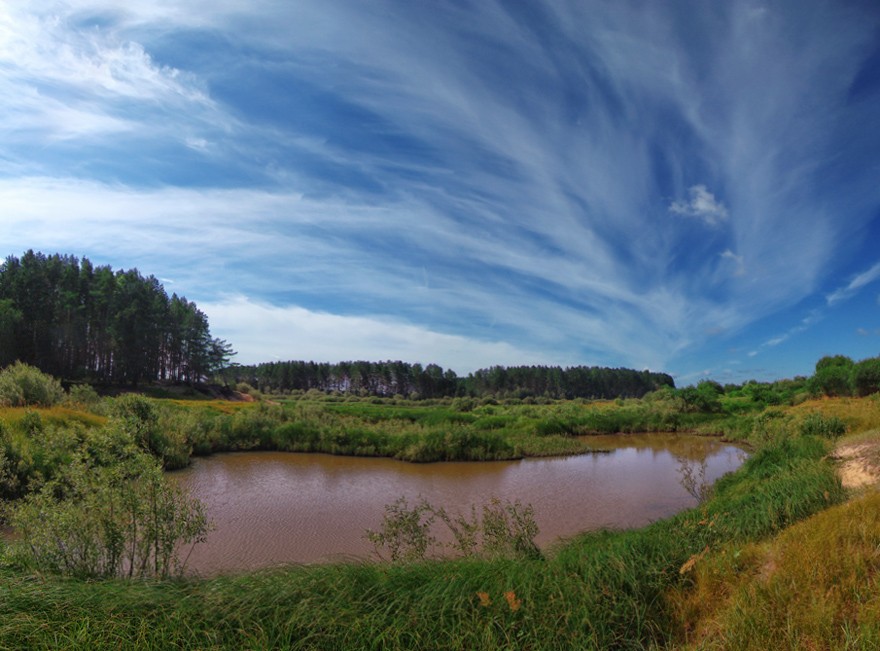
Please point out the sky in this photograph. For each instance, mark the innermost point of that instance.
(689, 187)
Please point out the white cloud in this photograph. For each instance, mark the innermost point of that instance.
(850, 289)
(62, 81)
(702, 205)
(270, 332)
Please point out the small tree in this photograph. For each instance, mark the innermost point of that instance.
(125, 520)
(833, 376)
(866, 376)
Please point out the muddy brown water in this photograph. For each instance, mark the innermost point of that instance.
(272, 508)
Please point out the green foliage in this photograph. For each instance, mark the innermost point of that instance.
(705, 397)
(830, 427)
(386, 379)
(509, 530)
(600, 590)
(406, 531)
(22, 385)
(139, 417)
(833, 376)
(83, 395)
(78, 321)
(866, 376)
(505, 530)
(9, 481)
(125, 520)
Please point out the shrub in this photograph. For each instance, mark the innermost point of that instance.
(139, 417)
(125, 520)
(22, 385)
(83, 395)
(830, 427)
(505, 530)
(833, 376)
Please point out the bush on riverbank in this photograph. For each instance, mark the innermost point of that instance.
(92, 520)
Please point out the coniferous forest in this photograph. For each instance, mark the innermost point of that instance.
(431, 381)
(79, 321)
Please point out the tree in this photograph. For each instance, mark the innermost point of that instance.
(866, 376)
(10, 318)
(126, 520)
(833, 376)
(77, 321)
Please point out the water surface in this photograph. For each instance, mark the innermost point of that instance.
(276, 507)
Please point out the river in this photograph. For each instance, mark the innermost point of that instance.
(271, 508)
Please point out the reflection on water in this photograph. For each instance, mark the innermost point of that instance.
(275, 507)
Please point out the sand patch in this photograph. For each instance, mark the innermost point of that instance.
(859, 464)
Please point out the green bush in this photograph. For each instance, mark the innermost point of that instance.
(140, 417)
(83, 395)
(833, 376)
(830, 427)
(866, 376)
(125, 520)
(22, 385)
(505, 530)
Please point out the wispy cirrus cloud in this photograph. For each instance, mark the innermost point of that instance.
(853, 286)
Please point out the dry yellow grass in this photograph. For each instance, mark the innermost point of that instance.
(222, 406)
(859, 414)
(55, 415)
(815, 586)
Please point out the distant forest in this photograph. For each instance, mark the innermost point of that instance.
(81, 322)
(431, 381)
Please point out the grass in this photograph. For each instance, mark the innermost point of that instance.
(859, 414)
(603, 590)
(815, 586)
(59, 416)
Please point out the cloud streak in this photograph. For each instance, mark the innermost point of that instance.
(850, 289)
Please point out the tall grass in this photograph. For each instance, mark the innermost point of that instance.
(813, 587)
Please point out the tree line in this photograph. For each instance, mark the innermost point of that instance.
(79, 321)
(432, 381)
(839, 375)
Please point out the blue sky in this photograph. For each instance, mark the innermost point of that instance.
(689, 187)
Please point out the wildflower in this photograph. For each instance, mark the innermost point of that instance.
(485, 601)
(512, 601)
